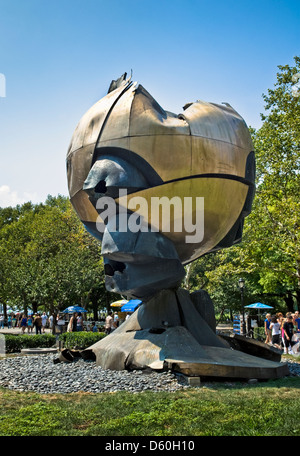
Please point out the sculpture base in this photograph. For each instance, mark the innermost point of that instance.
(175, 330)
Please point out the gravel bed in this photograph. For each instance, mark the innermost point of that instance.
(39, 373)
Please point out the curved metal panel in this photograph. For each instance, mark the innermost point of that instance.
(223, 202)
(89, 127)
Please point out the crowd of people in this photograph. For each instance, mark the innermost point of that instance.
(37, 321)
(283, 332)
(40, 321)
(75, 323)
(112, 321)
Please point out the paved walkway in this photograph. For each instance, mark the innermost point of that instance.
(19, 331)
(220, 327)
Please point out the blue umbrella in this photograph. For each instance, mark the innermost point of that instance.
(259, 305)
(73, 309)
(131, 305)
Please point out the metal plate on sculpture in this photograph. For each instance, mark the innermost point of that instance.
(226, 363)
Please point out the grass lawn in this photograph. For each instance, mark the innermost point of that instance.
(217, 409)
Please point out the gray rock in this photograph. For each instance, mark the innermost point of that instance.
(39, 373)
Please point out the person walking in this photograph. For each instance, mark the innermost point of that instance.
(2, 321)
(95, 328)
(44, 322)
(79, 322)
(275, 328)
(280, 320)
(30, 324)
(288, 329)
(38, 324)
(267, 329)
(73, 323)
(116, 320)
(109, 323)
(296, 320)
(23, 323)
(9, 322)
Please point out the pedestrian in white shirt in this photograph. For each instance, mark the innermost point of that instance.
(44, 321)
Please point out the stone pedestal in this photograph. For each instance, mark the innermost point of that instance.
(175, 330)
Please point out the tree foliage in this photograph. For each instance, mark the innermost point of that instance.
(269, 255)
(47, 258)
(275, 221)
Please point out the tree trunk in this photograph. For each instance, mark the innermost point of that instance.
(289, 301)
(52, 308)
(95, 311)
(54, 322)
(298, 299)
(34, 307)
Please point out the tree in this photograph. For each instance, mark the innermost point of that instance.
(273, 229)
(269, 254)
(47, 258)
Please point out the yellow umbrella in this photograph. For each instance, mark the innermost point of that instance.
(119, 303)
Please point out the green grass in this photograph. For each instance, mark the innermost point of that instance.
(219, 409)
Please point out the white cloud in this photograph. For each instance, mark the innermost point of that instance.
(10, 197)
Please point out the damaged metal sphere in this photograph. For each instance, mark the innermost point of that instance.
(129, 150)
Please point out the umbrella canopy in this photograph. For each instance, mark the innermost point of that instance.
(9, 310)
(73, 309)
(131, 305)
(259, 305)
(119, 303)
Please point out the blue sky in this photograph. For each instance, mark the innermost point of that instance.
(59, 57)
